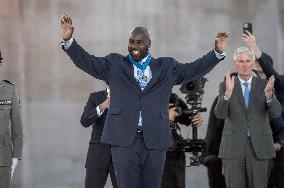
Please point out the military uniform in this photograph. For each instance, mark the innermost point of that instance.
(11, 134)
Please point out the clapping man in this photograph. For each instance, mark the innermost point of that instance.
(244, 102)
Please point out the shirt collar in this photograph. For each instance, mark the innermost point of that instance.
(243, 81)
(108, 91)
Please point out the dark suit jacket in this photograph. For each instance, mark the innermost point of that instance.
(127, 98)
(277, 124)
(267, 66)
(213, 135)
(238, 118)
(99, 154)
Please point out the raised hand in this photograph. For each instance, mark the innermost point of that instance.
(250, 42)
(249, 39)
(221, 42)
(230, 82)
(269, 88)
(66, 28)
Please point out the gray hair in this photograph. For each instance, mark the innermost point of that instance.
(242, 50)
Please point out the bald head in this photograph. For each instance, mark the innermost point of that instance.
(142, 31)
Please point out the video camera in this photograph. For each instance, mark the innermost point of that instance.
(194, 91)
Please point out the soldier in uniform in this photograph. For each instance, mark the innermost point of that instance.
(11, 135)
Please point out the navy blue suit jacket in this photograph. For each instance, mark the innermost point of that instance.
(99, 154)
(127, 98)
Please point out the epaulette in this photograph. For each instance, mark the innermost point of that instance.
(7, 81)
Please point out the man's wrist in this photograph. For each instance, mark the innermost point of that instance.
(219, 54)
(99, 111)
(268, 101)
(227, 95)
(67, 43)
(256, 51)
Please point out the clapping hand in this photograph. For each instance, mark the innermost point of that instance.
(269, 88)
(230, 82)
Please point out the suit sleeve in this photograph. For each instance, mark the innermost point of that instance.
(16, 127)
(266, 65)
(97, 67)
(277, 126)
(198, 68)
(222, 107)
(214, 134)
(89, 115)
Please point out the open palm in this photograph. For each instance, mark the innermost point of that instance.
(66, 28)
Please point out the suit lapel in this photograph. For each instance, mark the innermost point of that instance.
(253, 91)
(239, 93)
(129, 69)
(155, 69)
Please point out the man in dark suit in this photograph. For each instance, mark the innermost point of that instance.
(213, 139)
(137, 124)
(99, 162)
(265, 63)
(247, 145)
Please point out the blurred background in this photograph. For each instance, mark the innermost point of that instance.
(53, 92)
